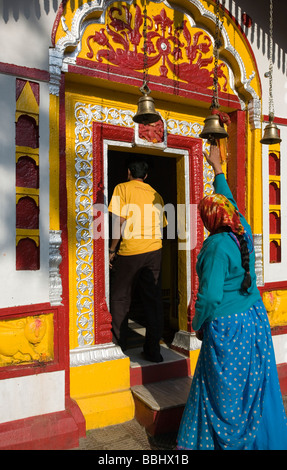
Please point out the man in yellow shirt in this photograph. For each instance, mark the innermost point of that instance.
(138, 219)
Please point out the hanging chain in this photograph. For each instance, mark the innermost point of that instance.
(145, 63)
(270, 75)
(217, 45)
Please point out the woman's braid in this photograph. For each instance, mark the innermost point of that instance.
(245, 263)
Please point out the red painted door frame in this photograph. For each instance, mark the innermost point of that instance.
(193, 146)
(236, 172)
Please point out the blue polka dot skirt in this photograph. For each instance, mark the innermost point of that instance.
(235, 402)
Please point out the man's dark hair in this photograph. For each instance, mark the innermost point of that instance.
(138, 168)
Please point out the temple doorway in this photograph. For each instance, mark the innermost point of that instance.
(162, 177)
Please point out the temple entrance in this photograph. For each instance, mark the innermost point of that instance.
(162, 177)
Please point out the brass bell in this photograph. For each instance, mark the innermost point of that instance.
(146, 113)
(213, 130)
(271, 133)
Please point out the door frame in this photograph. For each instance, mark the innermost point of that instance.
(105, 137)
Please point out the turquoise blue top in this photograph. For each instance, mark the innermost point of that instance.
(220, 272)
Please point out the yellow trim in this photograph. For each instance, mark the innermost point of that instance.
(275, 237)
(254, 203)
(27, 233)
(35, 116)
(193, 357)
(27, 104)
(22, 151)
(27, 192)
(274, 178)
(274, 148)
(54, 163)
(275, 208)
(103, 393)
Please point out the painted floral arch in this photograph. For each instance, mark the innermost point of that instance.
(111, 34)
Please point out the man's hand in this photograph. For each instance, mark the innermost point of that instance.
(111, 259)
(117, 228)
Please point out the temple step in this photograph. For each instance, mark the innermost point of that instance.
(159, 405)
(160, 390)
(142, 372)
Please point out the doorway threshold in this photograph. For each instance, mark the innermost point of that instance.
(174, 365)
(159, 390)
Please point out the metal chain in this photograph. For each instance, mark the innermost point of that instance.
(271, 102)
(145, 64)
(217, 45)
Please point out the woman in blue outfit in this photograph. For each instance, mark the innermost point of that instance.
(235, 402)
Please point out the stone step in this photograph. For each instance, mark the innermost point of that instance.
(174, 365)
(159, 405)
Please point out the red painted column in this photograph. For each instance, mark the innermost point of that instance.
(236, 174)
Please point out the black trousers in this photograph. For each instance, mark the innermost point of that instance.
(145, 270)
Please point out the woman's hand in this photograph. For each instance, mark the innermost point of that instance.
(214, 158)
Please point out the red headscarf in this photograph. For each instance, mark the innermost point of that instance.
(216, 211)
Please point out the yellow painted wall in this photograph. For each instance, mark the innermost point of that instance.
(54, 161)
(103, 392)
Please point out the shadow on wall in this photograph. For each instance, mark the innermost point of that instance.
(258, 33)
(14, 9)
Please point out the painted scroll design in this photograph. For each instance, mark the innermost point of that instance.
(55, 259)
(183, 52)
(84, 250)
(85, 115)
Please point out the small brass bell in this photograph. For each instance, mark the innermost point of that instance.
(213, 130)
(271, 133)
(146, 113)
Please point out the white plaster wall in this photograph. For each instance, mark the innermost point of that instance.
(25, 31)
(32, 395)
(280, 348)
(258, 36)
(21, 287)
